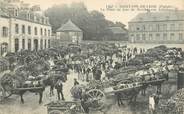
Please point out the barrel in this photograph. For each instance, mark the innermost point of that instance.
(180, 80)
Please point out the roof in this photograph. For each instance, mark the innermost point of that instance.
(8, 5)
(69, 26)
(159, 16)
(117, 30)
(3, 14)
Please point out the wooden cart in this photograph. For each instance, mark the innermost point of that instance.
(128, 91)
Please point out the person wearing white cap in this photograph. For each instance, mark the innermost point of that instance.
(151, 104)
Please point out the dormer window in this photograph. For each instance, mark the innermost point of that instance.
(35, 18)
(140, 18)
(28, 16)
(43, 20)
(154, 18)
(40, 20)
(46, 20)
(137, 28)
(167, 17)
(16, 12)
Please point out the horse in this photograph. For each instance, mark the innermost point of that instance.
(52, 78)
(16, 85)
(130, 95)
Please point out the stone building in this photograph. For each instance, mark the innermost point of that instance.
(115, 34)
(157, 27)
(23, 27)
(69, 32)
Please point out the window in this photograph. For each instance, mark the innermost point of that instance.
(143, 37)
(48, 32)
(165, 27)
(23, 29)
(23, 43)
(35, 44)
(137, 36)
(41, 44)
(172, 36)
(150, 36)
(161, 27)
(29, 29)
(180, 36)
(16, 44)
(5, 32)
(165, 36)
(41, 31)
(48, 43)
(143, 28)
(4, 48)
(172, 27)
(35, 31)
(29, 44)
(150, 28)
(45, 44)
(180, 26)
(158, 36)
(45, 32)
(16, 28)
(157, 27)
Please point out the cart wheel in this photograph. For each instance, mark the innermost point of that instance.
(6, 85)
(1, 94)
(96, 98)
(6, 91)
(55, 112)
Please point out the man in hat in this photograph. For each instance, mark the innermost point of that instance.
(59, 88)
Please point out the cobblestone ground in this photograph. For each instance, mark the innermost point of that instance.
(13, 105)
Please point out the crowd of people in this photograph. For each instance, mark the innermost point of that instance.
(94, 68)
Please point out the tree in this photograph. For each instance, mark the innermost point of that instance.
(92, 23)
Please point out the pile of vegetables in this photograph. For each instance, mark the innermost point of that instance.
(157, 53)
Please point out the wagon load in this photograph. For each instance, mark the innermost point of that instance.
(22, 76)
(141, 60)
(95, 84)
(156, 53)
(124, 72)
(38, 66)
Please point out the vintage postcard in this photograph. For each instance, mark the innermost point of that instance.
(91, 56)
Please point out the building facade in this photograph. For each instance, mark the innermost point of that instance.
(157, 27)
(69, 32)
(23, 27)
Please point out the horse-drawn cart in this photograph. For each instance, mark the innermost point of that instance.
(98, 96)
(12, 84)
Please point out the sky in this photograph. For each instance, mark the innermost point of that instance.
(121, 10)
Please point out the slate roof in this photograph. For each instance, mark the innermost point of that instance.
(159, 16)
(116, 30)
(69, 26)
(3, 14)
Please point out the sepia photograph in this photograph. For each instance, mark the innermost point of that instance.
(91, 57)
